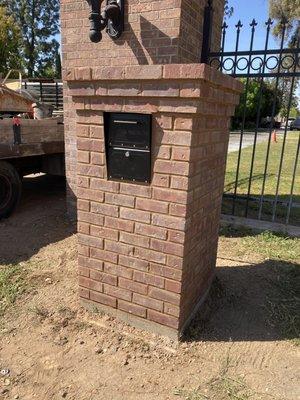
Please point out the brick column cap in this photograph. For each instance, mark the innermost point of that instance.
(161, 73)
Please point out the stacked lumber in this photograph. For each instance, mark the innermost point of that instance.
(11, 101)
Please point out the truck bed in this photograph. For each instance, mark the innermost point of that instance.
(38, 137)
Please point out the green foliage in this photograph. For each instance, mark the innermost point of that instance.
(11, 285)
(10, 40)
(290, 11)
(39, 24)
(256, 89)
(295, 112)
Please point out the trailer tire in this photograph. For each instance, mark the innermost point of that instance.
(10, 189)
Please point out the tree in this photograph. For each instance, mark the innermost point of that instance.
(257, 88)
(228, 10)
(10, 40)
(290, 11)
(39, 24)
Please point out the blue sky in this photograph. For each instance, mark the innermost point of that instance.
(246, 10)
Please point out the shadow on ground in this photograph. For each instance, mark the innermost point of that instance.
(40, 219)
(259, 302)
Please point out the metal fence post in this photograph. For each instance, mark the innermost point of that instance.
(207, 32)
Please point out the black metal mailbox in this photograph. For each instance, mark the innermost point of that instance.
(128, 146)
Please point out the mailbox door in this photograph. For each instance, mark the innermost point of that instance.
(129, 130)
(129, 164)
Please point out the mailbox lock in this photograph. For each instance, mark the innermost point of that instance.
(127, 154)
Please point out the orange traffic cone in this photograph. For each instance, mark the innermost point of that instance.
(274, 136)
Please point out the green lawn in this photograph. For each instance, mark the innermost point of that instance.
(288, 164)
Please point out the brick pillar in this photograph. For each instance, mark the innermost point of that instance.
(156, 32)
(147, 253)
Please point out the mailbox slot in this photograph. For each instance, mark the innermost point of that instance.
(128, 146)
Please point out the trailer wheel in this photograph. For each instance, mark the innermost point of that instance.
(10, 189)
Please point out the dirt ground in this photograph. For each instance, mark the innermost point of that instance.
(51, 348)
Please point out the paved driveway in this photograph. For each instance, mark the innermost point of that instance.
(248, 140)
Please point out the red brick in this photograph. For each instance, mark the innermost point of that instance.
(104, 255)
(83, 182)
(88, 194)
(135, 190)
(83, 250)
(132, 308)
(136, 240)
(90, 284)
(178, 210)
(161, 180)
(135, 215)
(150, 230)
(152, 205)
(166, 272)
(172, 196)
(164, 121)
(173, 286)
(164, 295)
(105, 186)
(90, 263)
(105, 209)
(133, 286)
(90, 241)
(167, 247)
(121, 224)
(147, 302)
(134, 263)
(117, 292)
(118, 247)
(118, 270)
(102, 277)
(83, 271)
(185, 124)
(144, 72)
(171, 310)
(148, 279)
(83, 205)
(83, 156)
(83, 227)
(179, 182)
(103, 232)
(176, 237)
(150, 255)
(119, 199)
(103, 299)
(90, 218)
(84, 293)
(163, 319)
(97, 132)
(171, 167)
(181, 153)
(169, 222)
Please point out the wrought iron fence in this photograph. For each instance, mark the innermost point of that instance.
(262, 176)
(46, 91)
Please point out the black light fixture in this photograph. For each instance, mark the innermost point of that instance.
(111, 18)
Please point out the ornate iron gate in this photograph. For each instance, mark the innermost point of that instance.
(262, 177)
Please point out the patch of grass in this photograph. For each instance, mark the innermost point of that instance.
(274, 246)
(258, 175)
(223, 387)
(12, 284)
(283, 302)
(270, 245)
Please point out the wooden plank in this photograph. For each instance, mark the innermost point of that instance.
(28, 150)
(33, 131)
